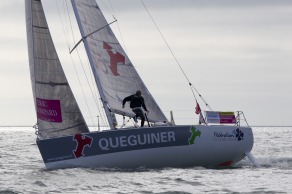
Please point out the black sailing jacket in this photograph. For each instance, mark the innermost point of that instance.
(135, 101)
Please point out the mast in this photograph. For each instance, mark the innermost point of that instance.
(102, 96)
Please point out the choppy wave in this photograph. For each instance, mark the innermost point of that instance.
(22, 171)
(281, 163)
(7, 192)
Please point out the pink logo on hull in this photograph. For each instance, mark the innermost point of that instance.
(49, 110)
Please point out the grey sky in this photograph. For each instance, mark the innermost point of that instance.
(238, 54)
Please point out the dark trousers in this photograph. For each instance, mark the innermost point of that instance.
(139, 113)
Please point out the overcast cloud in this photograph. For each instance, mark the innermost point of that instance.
(238, 54)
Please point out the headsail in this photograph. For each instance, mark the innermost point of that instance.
(57, 111)
(115, 75)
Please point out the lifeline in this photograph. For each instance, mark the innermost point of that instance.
(135, 140)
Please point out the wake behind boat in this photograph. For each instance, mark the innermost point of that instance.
(63, 136)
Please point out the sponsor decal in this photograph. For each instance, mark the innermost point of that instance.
(227, 118)
(239, 134)
(82, 141)
(235, 135)
(49, 110)
(106, 144)
(112, 144)
(220, 117)
(84, 145)
(195, 133)
(115, 58)
(59, 158)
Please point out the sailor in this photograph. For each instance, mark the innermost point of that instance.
(136, 104)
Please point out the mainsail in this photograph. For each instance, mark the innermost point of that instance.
(114, 73)
(57, 111)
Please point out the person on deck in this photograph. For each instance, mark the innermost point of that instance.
(136, 104)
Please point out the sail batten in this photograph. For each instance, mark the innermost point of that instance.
(57, 111)
(53, 84)
(114, 73)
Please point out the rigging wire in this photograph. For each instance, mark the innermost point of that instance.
(71, 56)
(65, 31)
(175, 58)
(111, 10)
(68, 44)
(120, 32)
(94, 93)
(94, 90)
(114, 15)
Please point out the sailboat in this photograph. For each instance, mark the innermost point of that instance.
(63, 137)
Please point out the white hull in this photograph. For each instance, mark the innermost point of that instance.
(212, 148)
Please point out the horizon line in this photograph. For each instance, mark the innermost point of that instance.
(177, 125)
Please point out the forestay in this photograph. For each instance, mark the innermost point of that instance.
(57, 111)
(114, 73)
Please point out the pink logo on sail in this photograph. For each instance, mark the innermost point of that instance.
(115, 58)
(49, 110)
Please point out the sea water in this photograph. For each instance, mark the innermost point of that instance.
(22, 170)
